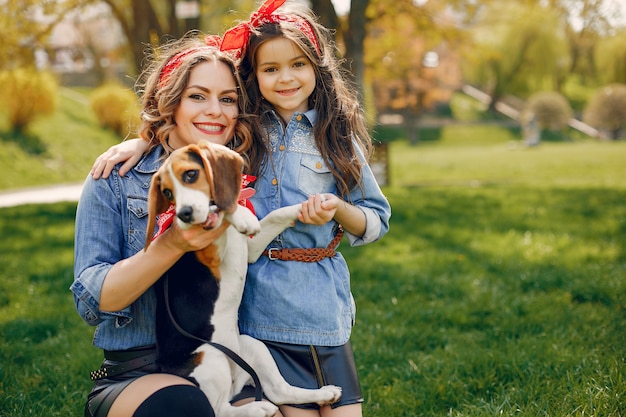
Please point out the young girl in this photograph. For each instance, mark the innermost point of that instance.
(310, 145)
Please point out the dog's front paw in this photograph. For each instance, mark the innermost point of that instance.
(244, 221)
(332, 394)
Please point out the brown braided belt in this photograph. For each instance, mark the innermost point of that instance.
(305, 255)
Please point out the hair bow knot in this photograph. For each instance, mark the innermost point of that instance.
(236, 38)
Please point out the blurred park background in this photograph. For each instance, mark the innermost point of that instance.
(499, 124)
(553, 67)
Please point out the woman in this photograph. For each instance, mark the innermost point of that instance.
(192, 93)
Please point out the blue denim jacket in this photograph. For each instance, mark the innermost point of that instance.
(300, 302)
(111, 222)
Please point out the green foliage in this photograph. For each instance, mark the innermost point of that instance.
(116, 107)
(550, 109)
(577, 93)
(515, 48)
(607, 109)
(466, 109)
(610, 56)
(26, 95)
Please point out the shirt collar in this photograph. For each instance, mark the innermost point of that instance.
(310, 115)
(151, 161)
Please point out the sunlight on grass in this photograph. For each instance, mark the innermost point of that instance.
(70, 140)
(500, 289)
(579, 164)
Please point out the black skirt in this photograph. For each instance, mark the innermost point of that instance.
(106, 390)
(315, 366)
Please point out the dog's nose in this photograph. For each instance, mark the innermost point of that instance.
(185, 214)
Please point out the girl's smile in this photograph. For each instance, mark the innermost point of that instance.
(285, 75)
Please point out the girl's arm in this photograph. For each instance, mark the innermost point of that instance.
(129, 151)
(321, 208)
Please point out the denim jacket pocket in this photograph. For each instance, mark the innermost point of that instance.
(137, 222)
(315, 176)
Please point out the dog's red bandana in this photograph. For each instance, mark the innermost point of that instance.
(165, 219)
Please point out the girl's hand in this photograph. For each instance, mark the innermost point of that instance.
(319, 209)
(322, 208)
(129, 151)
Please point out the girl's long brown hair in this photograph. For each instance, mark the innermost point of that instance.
(340, 121)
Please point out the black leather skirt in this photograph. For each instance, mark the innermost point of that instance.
(315, 366)
(106, 390)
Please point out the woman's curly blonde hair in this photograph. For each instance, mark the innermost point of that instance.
(161, 96)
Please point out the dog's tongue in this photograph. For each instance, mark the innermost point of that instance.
(210, 220)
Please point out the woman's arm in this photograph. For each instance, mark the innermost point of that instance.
(129, 278)
(129, 151)
(109, 274)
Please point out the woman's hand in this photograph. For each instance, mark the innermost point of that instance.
(129, 151)
(192, 239)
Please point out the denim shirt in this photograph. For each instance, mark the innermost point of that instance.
(111, 222)
(302, 302)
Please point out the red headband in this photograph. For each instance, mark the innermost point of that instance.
(236, 38)
(212, 43)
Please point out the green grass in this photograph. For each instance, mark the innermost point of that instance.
(57, 149)
(500, 289)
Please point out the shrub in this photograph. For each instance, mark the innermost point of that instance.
(26, 94)
(116, 108)
(607, 109)
(551, 110)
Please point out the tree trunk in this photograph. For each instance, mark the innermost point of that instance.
(146, 28)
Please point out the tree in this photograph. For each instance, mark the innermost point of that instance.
(607, 109)
(547, 110)
(400, 36)
(550, 108)
(351, 31)
(610, 55)
(26, 24)
(515, 49)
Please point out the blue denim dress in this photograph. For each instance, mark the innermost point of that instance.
(300, 302)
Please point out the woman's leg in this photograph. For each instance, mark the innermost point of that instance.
(351, 410)
(145, 388)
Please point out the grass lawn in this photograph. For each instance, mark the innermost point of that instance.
(58, 149)
(499, 290)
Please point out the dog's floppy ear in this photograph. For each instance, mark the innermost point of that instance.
(226, 166)
(157, 204)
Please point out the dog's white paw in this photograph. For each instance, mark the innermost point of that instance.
(330, 393)
(258, 409)
(244, 221)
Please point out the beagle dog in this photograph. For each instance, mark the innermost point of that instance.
(201, 293)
